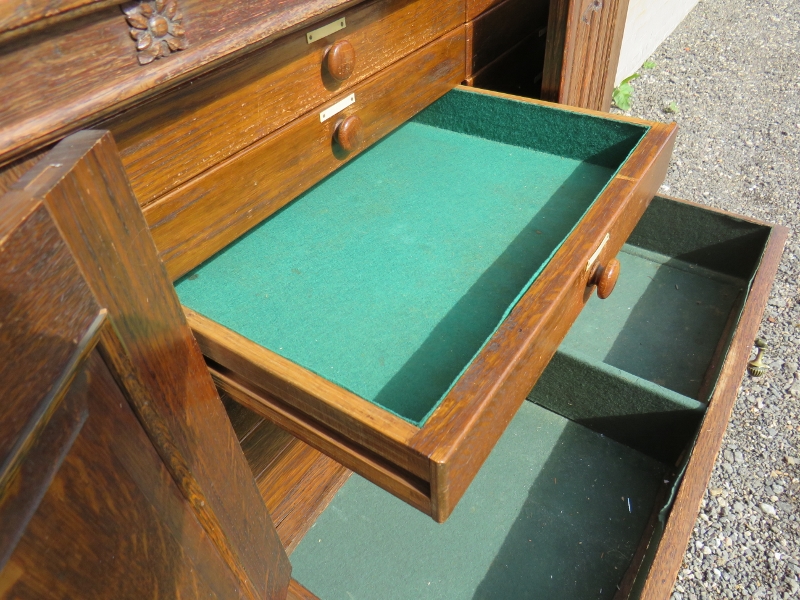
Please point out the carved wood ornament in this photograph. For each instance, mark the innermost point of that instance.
(156, 27)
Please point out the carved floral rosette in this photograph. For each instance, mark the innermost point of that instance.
(156, 27)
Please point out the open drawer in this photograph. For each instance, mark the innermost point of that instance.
(396, 315)
(576, 499)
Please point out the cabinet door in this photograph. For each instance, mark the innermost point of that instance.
(120, 474)
(111, 523)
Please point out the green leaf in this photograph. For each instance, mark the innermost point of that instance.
(622, 96)
(672, 107)
(629, 79)
(649, 64)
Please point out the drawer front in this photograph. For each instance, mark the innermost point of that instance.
(500, 29)
(196, 220)
(486, 397)
(178, 135)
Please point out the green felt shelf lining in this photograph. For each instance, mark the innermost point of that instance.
(548, 516)
(633, 411)
(663, 322)
(556, 131)
(389, 276)
(632, 366)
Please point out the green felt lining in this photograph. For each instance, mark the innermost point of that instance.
(662, 323)
(389, 276)
(631, 410)
(632, 366)
(548, 516)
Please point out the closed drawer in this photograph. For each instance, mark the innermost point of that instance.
(192, 128)
(568, 502)
(199, 218)
(396, 315)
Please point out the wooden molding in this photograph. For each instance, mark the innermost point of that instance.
(584, 40)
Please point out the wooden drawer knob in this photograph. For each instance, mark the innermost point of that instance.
(340, 60)
(605, 278)
(349, 133)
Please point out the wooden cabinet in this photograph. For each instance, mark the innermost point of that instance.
(338, 127)
(110, 521)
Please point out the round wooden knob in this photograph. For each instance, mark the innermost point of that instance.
(605, 278)
(349, 133)
(340, 60)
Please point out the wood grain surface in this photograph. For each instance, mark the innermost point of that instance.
(83, 185)
(296, 481)
(112, 523)
(476, 7)
(298, 592)
(96, 50)
(201, 217)
(178, 135)
(22, 16)
(581, 60)
(554, 51)
(37, 332)
(82, 480)
(298, 487)
(684, 511)
(341, 447)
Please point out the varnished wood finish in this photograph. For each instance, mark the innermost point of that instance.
(97, 50)
(431, 467)
(187, 131)
(498, 30)
(277, 459)
(82, 481)
(298, 592)
(554, 51)
(317, 397)
(684, 511)
(83, 186)
(462, 431)
(201, 217)
(476, 7)
(370, 464)
(349, 133)
(22, 17)
(50, 323)
(340, 60)
(10, 173)
(298, 487)
(582, 56)
(112, 523)
(37, 332)
(605, 278)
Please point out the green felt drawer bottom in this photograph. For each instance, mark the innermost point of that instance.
(641, 365)
(389, 276)
(557, 511)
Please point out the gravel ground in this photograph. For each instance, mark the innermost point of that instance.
(733, 70)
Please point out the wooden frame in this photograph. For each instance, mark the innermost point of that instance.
(584, 38)
(672, 546)
(431, 467)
